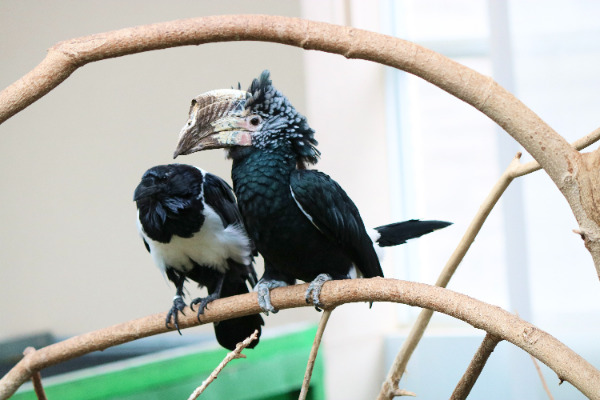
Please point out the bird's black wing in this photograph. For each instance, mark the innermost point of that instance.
(219, 196)
(333, 213)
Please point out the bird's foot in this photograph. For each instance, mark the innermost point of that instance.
(178, 306)
(263, 288)
(314, 290)
(203, 303)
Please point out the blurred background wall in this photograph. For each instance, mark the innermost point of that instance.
(71, 260)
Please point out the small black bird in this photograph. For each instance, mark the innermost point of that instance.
(302, 222)
(191, 226)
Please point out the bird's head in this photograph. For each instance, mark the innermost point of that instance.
(166, 191)
(169, 181)
(261, 118)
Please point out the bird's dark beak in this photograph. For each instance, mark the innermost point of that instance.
(144, 190)
(216, 120)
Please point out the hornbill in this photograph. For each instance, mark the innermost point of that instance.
(190, 224)
(302, 222)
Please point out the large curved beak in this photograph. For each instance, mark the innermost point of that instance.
(216, 120)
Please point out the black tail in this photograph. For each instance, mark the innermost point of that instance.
(232, 331)
(399, 232)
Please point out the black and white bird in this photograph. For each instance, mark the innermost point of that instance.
(302, 222)
(190, 224)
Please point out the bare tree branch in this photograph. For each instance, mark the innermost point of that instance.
(468, 85)
(236, 353)
(36, 378)
(579, 144)
(568, 365)
(313, 353)
(474, 369)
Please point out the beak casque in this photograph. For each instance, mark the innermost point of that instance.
(215, 121)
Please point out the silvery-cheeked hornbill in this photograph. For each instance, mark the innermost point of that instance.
(191, 226)
(302, 222)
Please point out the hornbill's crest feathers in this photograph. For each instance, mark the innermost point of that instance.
(282, 119)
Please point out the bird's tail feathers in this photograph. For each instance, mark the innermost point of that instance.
(399, 232)
(232, 331)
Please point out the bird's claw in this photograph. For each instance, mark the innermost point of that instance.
(264, 299)
(203, 303)
(178, 307)
(313, 292)
(263, 289)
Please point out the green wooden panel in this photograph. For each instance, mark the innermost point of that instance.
(272, 371)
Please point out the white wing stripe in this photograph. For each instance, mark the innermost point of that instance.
(307, 215)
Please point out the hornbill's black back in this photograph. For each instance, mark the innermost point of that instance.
(190, 223)
(302, 222)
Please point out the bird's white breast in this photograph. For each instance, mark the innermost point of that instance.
(211, 246)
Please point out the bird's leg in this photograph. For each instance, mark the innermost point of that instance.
(203, 301)
(271, 279)
(314, 290)
(178, 303)
(263, 288)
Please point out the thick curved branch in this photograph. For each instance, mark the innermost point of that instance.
(570, 172)
(567, 364)
(476, 89)
(573, 174)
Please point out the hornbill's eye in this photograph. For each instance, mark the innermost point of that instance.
(255, 120)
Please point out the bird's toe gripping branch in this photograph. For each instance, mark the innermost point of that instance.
(313, 292)
(178, 306)
(203, 303)
(263, 288)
